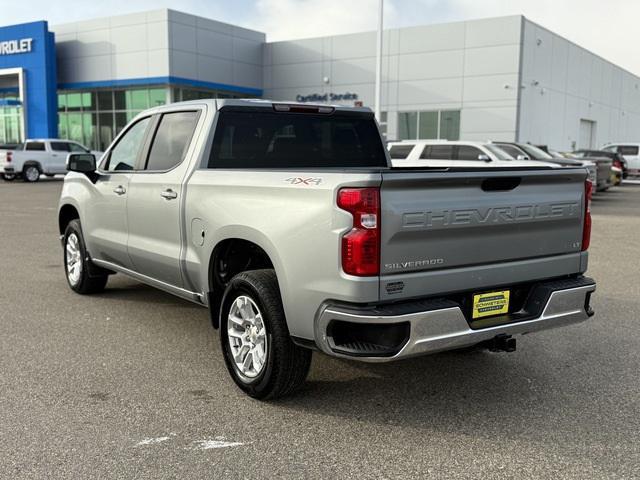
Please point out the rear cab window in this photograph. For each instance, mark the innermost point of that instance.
(35, 146)
(264, 138)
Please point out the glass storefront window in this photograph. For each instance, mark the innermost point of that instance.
(95, 117)
(450, 124)
(408, 125)
(437, 124)
(74, 102)
(105, 100)
(137, 99)
(428, 125)
(157, 97)
(105, 127)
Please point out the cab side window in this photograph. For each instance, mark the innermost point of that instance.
(628, 150)
(171, 141)
(400, 152)
(124, 155)
(76, 148)
(511, 150)
(437, 152)
(466, 152)
(60, 146)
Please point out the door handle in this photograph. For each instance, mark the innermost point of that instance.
(169, 194)
(119, 190)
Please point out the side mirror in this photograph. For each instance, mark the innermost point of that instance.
(81, 162)
(522, 157)
(484, 157)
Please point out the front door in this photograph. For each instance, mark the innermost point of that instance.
(58, 157)
(106, 224)
(155, 194)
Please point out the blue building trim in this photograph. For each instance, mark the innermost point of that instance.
(180, 81)
(38, 63)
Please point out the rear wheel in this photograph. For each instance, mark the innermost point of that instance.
(31, 173)
(9, 177)
(82, 276)
(257, 348)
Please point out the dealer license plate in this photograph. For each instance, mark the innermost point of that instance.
(492, 303)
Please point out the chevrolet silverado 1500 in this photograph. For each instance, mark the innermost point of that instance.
(288, 222)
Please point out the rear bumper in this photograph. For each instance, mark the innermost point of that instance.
(437, 325)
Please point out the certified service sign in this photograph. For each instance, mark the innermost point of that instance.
(12, 47)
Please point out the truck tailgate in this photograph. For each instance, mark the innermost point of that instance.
(432, 222)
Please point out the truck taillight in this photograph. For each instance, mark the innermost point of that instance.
(361, 245)
(9, 156)
(586, 231)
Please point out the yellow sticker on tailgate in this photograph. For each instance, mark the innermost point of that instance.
(492, 303)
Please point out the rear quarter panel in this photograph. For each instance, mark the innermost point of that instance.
(293, 217)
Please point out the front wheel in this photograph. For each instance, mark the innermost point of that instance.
(83, 277)
(257, 348)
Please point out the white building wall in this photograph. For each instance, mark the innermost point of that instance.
(159, 43)
(472, 66)
(113, 48)
(210, 51)
(563, 84)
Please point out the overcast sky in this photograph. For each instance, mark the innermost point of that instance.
(608, 28)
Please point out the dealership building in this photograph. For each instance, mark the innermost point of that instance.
(503, 78)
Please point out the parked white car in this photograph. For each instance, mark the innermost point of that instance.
(445, 153)
(631, 153)
(39, 157)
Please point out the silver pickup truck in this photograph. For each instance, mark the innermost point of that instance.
(288, 222)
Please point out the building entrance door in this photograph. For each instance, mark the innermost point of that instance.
(587, 137)
(11, 111)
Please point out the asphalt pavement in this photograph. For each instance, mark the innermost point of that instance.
(131, 383)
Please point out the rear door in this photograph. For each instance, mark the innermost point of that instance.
(155, 198)
(440, 221)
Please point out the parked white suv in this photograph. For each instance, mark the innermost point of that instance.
(39, 157)
(441, 153)
(631, 153)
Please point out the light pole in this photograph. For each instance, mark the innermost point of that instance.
(378, 87)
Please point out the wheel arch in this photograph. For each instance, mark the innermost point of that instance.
(36, 163)
(66, 214)
(240, 253)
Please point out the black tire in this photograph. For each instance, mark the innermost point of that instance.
(91, 278)
(8, 177)
(287, 365)
(29, 173)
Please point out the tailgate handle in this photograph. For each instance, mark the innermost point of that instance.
(500, 184)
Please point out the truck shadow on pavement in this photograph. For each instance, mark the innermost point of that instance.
(463, 392)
